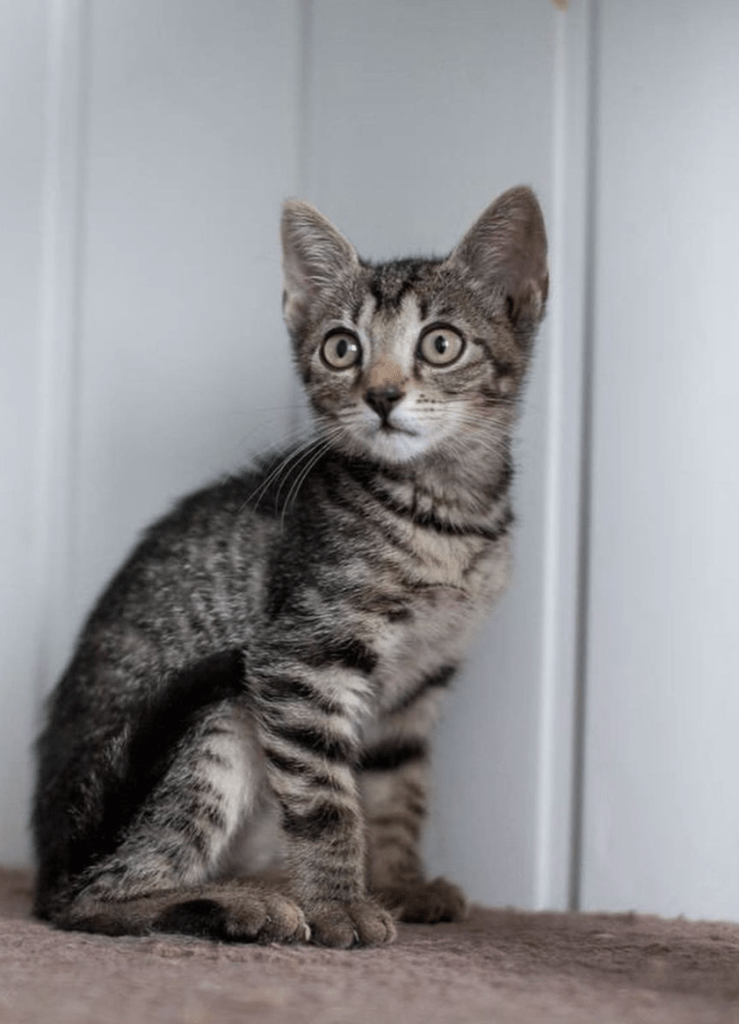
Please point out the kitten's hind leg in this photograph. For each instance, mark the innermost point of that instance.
(245, 911)
(159, 878)
(394, 782)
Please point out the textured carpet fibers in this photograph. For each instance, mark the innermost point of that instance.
(500, 966)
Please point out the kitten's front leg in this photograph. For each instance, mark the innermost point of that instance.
(308, 730)
(394, 783)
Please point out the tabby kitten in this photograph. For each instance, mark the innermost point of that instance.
(258, 683)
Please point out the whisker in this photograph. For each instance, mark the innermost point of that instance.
(274, 474)
(301, 478)
(306, 455)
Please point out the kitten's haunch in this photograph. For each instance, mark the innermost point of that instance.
(257, 686)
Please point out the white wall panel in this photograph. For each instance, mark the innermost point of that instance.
(662, 757)
(184, 362)
(23, 70)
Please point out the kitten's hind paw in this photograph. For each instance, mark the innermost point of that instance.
(237, 914)
(425, 902)
(343, 925)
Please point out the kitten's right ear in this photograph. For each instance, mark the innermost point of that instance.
(504, 256)
(314, 257)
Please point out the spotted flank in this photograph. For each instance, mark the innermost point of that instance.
(239, 747)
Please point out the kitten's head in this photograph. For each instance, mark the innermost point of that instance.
(416, 358)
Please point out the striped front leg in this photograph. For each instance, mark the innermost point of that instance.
(394, 768)
(308, 724)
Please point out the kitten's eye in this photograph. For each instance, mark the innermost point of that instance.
(440, 346)
(341, 350)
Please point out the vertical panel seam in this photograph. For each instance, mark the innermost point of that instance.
(544, 841)
(579, 739)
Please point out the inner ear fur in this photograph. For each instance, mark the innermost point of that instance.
(315, 256)
(504, 257)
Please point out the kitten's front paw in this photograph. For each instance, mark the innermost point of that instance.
(425, 902)
(342, 925)
(236, 914)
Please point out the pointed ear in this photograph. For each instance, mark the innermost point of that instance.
(504, 256)
(314, 257)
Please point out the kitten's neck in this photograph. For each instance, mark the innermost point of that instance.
(453, 489)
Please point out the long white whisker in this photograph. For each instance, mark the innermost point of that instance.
(301, 478)
(306, 454)
(281, 467)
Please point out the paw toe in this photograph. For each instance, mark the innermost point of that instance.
(426, 902)
(343, 925)
(238, 915)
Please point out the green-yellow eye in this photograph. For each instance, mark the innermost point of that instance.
(341, 350)
(440, 346)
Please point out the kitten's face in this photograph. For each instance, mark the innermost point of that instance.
(413, 358)
(403, 372)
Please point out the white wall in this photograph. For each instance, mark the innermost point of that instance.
(191, 146)
(22, 98)
(661, 824)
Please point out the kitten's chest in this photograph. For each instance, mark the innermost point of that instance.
(439, 620)
(442, 612)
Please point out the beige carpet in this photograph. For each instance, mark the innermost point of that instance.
(500, 966)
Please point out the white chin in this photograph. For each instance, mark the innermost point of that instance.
(396, 446)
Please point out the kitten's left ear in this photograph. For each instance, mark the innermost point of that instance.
(504, 256)
(315, 256)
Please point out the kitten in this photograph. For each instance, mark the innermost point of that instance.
(269, 660)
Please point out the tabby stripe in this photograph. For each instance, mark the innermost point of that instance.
(179, 858)
(357, 309)
(502, 526)
(211, 757)
(215, 818)
(214, 730)
(426, 520)
(392, 754)
(350, 653)
(357, 509)
(503, 483)
(189, 811)
(436, 681)
(407, 286)
(378, 602)
(367, 468)
(333, 748)
(398, 614)
(376, 292)
(196, 837)
(289, 686)
(294, 766)
(314, 824)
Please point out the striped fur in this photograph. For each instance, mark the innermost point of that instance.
(258, 685)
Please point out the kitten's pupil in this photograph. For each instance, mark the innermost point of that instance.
(441, 344)
(342, 347)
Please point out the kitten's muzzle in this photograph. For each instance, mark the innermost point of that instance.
(382, 400)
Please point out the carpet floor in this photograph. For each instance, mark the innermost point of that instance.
(498, 967)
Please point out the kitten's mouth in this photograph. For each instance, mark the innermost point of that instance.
(386, 427)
